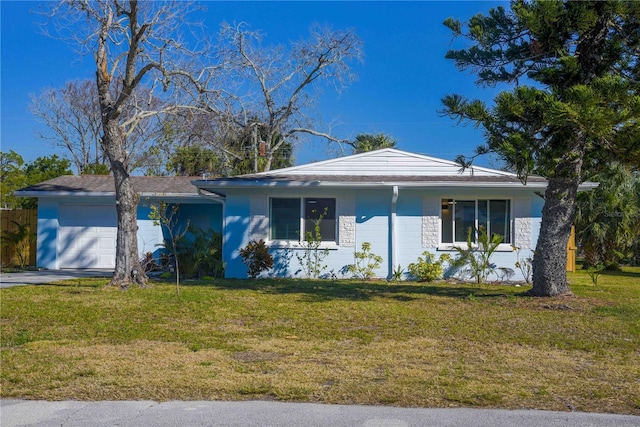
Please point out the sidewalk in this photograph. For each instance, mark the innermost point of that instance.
(15, 413)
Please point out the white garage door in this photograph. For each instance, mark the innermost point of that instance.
(87, 236)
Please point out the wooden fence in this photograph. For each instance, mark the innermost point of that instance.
(10, 252)
(571, 251)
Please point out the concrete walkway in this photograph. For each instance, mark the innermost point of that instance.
(15, 413)
(38, 277)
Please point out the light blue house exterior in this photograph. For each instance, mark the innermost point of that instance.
(401, 203)
(77, 220)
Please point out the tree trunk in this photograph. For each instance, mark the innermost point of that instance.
(558, 214)
(128, 269)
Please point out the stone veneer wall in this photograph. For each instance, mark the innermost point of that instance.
(347, 221)
(430, 222)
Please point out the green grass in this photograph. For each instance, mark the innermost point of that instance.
(406, 344)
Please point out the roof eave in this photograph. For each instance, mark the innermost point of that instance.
(371, 184)
(44, 193)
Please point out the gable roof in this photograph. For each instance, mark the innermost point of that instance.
(381, 168)
(104, 185)
(386, 161)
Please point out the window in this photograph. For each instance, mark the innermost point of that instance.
(288, 223)
(285, 219)
(458, 216)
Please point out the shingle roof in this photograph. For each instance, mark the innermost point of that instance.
(105, 184)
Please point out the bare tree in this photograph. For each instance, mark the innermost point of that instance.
(134, 44)
(275, 83)
(72, 119)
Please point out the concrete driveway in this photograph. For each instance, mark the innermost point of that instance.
(15, 413)
(39, 277)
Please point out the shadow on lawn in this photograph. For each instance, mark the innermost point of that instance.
(317, 291)
(632, 274)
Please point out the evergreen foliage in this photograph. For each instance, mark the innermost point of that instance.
(574, 107)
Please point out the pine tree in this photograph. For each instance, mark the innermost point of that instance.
(573, 109)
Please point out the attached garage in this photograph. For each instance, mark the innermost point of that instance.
(77, 219)
(87, 236)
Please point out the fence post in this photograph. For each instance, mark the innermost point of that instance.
(571, 251)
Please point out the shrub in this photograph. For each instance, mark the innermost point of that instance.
(476, 261)
(365, 263)
(202, 255)
(595, 271)
(257, 258)
(427, 269)
(397, 273)
(525, 265)
(312, 257)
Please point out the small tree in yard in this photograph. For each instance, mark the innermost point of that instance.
(169, 218)
(312, 257)
(573, 110)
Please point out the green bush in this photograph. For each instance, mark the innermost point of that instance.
(427, 268)
(202, 255)
(365, 263)
(257, 258)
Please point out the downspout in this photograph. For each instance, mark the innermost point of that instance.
(394, 201)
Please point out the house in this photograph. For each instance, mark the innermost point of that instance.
(77, 219)
(401, 203)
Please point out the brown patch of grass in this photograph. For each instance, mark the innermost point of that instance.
(349, 343)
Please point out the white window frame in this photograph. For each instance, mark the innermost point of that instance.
(503, 247)
(301, 213)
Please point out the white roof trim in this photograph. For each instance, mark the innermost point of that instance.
(220, 184)
(302, 168)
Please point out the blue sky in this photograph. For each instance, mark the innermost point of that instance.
(400, 83)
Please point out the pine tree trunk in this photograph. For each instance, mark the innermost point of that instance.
(558, 214)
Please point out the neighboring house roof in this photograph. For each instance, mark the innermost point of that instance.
(380, 168)
(104, 185)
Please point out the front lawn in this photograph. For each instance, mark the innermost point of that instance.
(348, 342)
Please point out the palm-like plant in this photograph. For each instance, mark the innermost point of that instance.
(475, 260)
(607, 220)
(19, 240)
